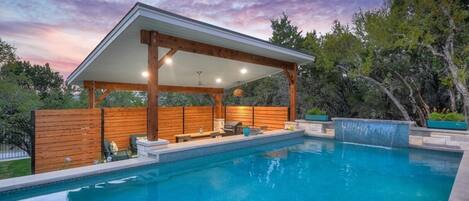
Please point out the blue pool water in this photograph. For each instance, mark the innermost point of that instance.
(295, 170)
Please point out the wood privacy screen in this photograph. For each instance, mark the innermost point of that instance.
(198, 117)
(62, 134)
(76, 133)
(271, 117)
(120, 123)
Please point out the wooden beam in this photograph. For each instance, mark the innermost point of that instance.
(212, 50)
(91, 95)
(103, 96)
(152, 88)
(218, 98)
(168, 54)
(143, 87)
(292, 80)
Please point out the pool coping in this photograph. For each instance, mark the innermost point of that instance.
(175, 147)
(375, 120)
(18, 183)
(22, 182)
(460, 190)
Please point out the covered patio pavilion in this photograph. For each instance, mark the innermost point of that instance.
(157, 51)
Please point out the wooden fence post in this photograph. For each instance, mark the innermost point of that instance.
(102, 133)
(183, 119)
(252, 115)
(213, 118)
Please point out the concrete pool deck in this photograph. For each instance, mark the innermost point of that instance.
(460, 191)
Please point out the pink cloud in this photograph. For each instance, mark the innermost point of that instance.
(63, 32)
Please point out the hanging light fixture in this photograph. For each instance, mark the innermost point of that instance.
(238, 92)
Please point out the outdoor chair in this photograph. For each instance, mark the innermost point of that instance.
(119, 155)
(232, 128)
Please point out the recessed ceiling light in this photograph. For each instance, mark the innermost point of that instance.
(168, 61)
(218, 80)
(145, 74)
(243, 70)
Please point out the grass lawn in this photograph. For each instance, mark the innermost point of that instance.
(15, 168)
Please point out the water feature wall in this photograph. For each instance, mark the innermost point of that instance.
(387, 133)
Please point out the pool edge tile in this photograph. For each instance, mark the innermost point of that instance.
(460, 190)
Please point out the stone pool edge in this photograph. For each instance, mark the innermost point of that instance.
(18, 183)
(460, 191)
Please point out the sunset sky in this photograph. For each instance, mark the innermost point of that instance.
(63, 32)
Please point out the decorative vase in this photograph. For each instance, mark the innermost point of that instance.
(246, 131)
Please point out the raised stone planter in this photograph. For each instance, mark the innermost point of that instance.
(145, 146)
(291, 125)
(218, 124)
(315, 128)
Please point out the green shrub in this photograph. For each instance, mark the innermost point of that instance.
(315, 111)
(451, 116)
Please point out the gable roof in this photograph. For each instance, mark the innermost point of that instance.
(120, 49)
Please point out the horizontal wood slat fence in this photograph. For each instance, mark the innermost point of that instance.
(60, 135)
(271, 117)
(73, 137)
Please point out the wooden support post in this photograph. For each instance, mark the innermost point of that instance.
(152, 91)
(92, 96)
(292, 76)
(218, 105)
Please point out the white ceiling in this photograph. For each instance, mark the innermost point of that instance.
(120, 57)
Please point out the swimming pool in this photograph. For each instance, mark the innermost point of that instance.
(298, 169)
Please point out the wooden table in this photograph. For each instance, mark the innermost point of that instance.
(189, 136)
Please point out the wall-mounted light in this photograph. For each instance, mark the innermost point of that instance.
(218, 80)
(144, 74)
(243, 71)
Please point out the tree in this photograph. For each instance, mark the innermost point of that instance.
(439, 27)
(16, 105)
(41, 79)
(358, 61)
(285, 34)
(7, 53)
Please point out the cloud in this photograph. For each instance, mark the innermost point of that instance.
(63, 32)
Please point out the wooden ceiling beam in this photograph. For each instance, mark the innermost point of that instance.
(143, 87)
(103, 96)
(212, 50)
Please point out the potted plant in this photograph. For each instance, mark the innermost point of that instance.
(447, 120)
(316, 114)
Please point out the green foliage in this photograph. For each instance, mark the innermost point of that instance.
(451, 116)
(316, 111)
(7, 53)
(285, 34)
(124, 99)
(16, 105)
(181, 99)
